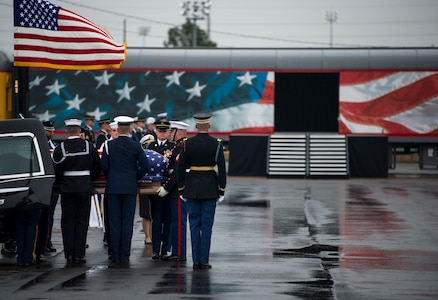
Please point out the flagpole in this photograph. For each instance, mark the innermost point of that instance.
(124, 30)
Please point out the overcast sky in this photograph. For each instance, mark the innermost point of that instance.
(256, 23)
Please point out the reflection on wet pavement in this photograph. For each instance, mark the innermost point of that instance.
(272, 239)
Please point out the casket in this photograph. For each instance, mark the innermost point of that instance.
(145, 187)
(157, 166)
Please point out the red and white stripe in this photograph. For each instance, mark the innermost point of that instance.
(393, 103)
(77, 44)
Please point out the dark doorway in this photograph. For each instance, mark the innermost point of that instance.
(306, 102)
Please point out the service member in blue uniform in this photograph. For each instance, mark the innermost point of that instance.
(76, 166)
(123, 163)
(201, 186)
(160, 206)
(178, 207)
(44, 240)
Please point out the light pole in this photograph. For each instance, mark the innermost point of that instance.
(331, 17)
(196, 10)
(143, 31)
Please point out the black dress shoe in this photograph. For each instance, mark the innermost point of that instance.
(205, 266)
(155, 256)
(79, 260)
(70, 259)
(51, 249)
(177, 258)
(196, 266)
(40, 258)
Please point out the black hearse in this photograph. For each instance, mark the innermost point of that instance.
(26, 169)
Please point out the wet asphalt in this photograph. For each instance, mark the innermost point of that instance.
(280, 238)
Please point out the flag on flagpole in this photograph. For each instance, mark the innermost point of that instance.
(47, 35)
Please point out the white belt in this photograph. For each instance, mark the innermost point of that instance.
(76, 173)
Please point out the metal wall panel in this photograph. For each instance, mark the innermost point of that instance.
(282, 59)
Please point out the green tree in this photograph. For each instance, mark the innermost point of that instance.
(183, 37)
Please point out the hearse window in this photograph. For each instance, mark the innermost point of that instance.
(18, 155)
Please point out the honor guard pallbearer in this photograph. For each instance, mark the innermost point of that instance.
(178, 207)
(45, 225)
(201, 186)
(88, 130)
(76, 166)
(160, 206)
(105, 132)
(123, 163)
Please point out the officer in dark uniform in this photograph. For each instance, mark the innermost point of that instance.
(141, 124)
(160, 206)
(76, 166)
(150, 127)
(201, 186)
(123, 163)
(88, 129)
(105, 132)
(45, 224)
(178, 207)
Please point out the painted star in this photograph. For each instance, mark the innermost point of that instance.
(46, 116)
(195, 91)
(75, 103)
(146, 104)
(97, 114)
(125, 92)
(36, 81)
(104, 79)
(54, 88)
(174, 78)
(246, 79)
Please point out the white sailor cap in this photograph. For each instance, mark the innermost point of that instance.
(148, 138)
(73, 122)
(124, 120)
(178, 125)
(150, 120)
(114, 125)
(162, 115)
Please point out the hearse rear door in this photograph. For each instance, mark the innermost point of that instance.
(26, 169)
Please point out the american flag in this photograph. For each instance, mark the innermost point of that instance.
(47, 35)
(388, 102)
(238, 101)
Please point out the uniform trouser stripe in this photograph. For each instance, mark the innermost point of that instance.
(179, 226)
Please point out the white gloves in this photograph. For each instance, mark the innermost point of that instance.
(220, 199)
(162, 192)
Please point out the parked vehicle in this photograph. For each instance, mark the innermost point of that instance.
(26, 169)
